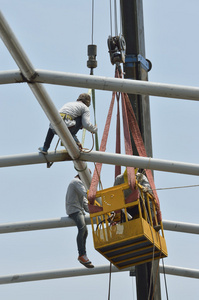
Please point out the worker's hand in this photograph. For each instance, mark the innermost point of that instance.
(145, 189)
(95, 129)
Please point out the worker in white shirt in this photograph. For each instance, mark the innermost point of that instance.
(76, 116)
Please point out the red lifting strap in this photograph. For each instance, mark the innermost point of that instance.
(118, 144)
(129, 121)
(130, 170)
(141, 148)
(128, 146)
(96, 174)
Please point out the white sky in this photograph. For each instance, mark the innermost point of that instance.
(55, 35)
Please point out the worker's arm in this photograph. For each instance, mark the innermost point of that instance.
(86, 121)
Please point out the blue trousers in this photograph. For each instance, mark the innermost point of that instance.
(73, 130)
(79, 219)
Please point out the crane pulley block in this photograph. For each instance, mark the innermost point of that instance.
(127, 241)
(117, 49)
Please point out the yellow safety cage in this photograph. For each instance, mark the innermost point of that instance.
(127, 239)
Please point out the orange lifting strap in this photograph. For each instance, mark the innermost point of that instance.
(125, 232)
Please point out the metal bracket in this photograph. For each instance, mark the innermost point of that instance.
(132, 59)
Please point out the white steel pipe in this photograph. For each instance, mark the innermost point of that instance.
(15, 49)
(181, 227)
(39, 225)
(177, 271)
(33, 158)
(68, 222)
(116, 84)
(17, 278)
(61, 274)
(105, 158)
(43, 98)
(141, 162)
(13, 76)
(105, 83)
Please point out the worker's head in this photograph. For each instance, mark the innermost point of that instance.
(85, 98)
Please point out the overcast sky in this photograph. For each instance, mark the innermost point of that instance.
(55, 35)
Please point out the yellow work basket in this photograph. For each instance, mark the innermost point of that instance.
(132, 240)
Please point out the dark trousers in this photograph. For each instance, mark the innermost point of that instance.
(79, 219)
(73, 130)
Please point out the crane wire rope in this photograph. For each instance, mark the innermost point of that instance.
(165, 282)
(114, 20)
(121, 31)
(109, 285)
(148, 219)
(92, 22)
(115, 10)
(111, 19)
(176, 187)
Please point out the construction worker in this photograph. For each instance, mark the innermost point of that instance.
(76, 116)
(76, 205)
(142, 180)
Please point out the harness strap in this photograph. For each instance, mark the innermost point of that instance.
(65, 116)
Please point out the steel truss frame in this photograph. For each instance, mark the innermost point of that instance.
(34, 78)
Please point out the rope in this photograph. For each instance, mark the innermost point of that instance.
(165, 279)
(92, 21)
(109, 288)
(121, 31)
(177, 187)
(95, 178)
(49, 164)
(86, 150)
(152, 262)
(157, 269)
(111, 18)
(115, 9)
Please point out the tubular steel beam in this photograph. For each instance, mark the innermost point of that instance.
(177, 271)
(33, 158)
(59, 274)
(121, 85)
(43, 98)
(181, 227)
(141, 162)
(17, 278)
(39, 225)
(105, 83)
(13, 76)
(68, 222)
(105, 158)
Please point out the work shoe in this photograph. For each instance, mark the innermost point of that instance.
(43, 150)
(85, 261)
